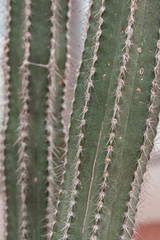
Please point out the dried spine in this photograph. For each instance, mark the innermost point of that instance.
(51, 211)
(115, 117)
(83, 123)
(23, 158)
(6, 110)
(141, 164)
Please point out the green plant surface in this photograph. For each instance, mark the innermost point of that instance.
(15, 56)
(106, 186)
(26, 168)
(37, 146)
(86, 188)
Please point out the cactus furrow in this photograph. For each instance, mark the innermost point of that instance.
(89, 85)
(6, 110)
(116, 114)
(23, 158)
(151, 122)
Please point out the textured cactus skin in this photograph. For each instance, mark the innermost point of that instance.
(37, 168)
(94, 145)
(38, 81)
(130, 128)
(11, 135)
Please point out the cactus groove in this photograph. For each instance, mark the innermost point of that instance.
(72, 166)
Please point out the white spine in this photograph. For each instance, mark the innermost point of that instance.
(23, 158)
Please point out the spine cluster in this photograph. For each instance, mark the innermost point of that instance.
(6, 111)
(115, 117)
(23, 158)
(143, 159)
(89, 85)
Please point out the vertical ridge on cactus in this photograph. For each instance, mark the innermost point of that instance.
(52, 119)
(23, 158)
(71, 169)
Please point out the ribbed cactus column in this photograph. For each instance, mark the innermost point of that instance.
(108, 121)
(84, 185)
(34, 136)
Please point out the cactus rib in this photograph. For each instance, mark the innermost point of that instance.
(23, 157)
(116, 114)
(6, 110)
(143, 158)
(55, 169)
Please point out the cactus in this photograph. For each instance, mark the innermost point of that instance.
(77, 177)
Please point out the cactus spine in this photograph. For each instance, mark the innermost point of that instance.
(77, 177)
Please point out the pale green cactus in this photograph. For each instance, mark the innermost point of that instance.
(78, 177)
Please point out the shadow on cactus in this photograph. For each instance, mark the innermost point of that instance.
(78, 127)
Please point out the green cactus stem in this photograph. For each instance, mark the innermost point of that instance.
(106, 134)
(77, 131)
(34, 54)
